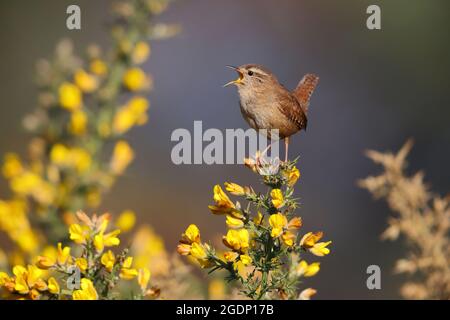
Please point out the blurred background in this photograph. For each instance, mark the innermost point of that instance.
(377, 88)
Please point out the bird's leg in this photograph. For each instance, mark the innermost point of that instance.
(260, 155)
(267, 148)
(286, 144)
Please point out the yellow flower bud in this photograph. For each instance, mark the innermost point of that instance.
(86, 82)
(192, 234)
(87, 291)
(140, 52)
(82, 264)
(108, 260)
(78, 123)
(70, 96)
(307, 270)
(143, 278)
(307, 294)
(235, 189)
(63, 254)
(184, 249)
(126, 220)
(45, 262)
(277, 198)
(53, 286)
(77, 233)
(292, 176)
(135, 79)
(98, 67)
(245, 259)
(234, 223)
(237, 239)
(278, 222)
(123, 154)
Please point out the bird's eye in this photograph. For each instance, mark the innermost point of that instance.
(250, 73)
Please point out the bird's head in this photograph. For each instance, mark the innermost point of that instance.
(252, 77)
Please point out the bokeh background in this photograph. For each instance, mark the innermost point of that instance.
(377, 89)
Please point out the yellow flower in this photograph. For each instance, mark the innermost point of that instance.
(234, 223)
(81, 159)
(53, 286)
(320, 249)
(70, 96)
(45, 262)
(107, 240)
(123, 121)
(26, 183)
(184, 249)
(191, 235)
(78, 233)
(98, 67)
(235, 189)
(258, 219)
(33, 275)
(307, 270)
(230, 256)
(138, 106)
(140, 52)
(4, 278)
(59, 154)
(34, 294)
(78, 123)
(135, 79)
(126, 220)
(292, 176)
(85, 81)
(77, 158)
(237, 239)
(310, 243)
(87, 291)
(223, 204)
(310, 239)
(143, 278)
(307, 294)
(122, 156)
(12, 166)
(63, 254)
(20, 285)
(108, 260)
(221, 198)
(277, 198)
(295, 223)
(198, 251)
(127, 272)
(278, 222)
(134, 113)
(82, 264)
(245, 259)
(288, 238)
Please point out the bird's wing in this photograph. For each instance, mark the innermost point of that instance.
(304, 90)
(290, 107)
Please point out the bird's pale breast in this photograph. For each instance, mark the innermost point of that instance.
(264, 111)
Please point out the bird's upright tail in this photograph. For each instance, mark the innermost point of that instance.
(304, 90)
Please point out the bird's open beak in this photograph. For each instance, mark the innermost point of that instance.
(238, 80)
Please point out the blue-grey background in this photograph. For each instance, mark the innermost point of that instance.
(377, 88)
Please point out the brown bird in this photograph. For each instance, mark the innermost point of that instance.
(266, 104)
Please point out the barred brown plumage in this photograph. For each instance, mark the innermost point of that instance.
(266, 104)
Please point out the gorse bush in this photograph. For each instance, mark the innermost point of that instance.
(78, 149)
(422, 218)
(94, 274)
(264, 248)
